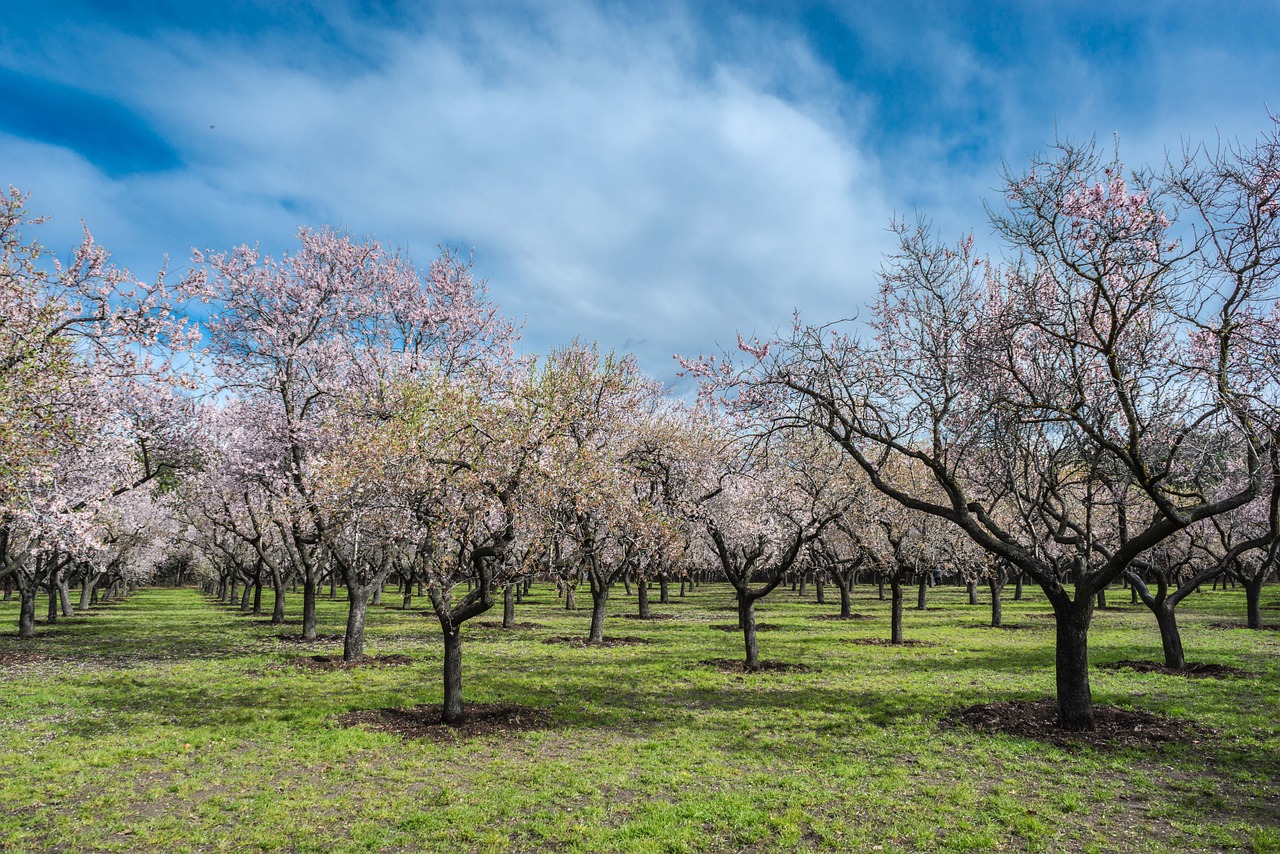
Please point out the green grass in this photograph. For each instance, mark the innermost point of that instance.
(169, 722)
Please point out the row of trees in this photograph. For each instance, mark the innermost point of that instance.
(1097, 405)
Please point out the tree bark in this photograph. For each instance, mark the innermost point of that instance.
(997, 609)
(599, 598)
(922, 597)
(1075, 700)
(1170, 638)
(277, 608)
(27, 610)
(1253, 601)
(353, 640)
(642, 589)
(509, 606)
(747, 620)
(452, 713)
(846, 601)
(310, 592)
(1017, 588)
(895, 620)
(664, 595)
(973, 591)
(64, 596)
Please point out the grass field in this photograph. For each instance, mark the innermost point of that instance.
(170, 722)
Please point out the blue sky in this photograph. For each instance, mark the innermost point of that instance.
(657, 176)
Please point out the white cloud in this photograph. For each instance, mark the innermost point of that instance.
(611, 187)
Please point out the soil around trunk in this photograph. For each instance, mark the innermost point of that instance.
(737, 665)
(319, 639)
(734, 627)
(335, 662)
(1192, 670)
(838, 618)
(1266, 627)
(607, 642)
(497, 624)
(887, 642)
(1008, 627)
(425, 721)
(1113, 727)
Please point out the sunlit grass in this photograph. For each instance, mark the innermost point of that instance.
(169, 722)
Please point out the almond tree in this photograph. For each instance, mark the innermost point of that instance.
(1047, 395)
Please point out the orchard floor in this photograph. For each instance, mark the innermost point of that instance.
(169, 722)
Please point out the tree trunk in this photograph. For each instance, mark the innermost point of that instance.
(747, 620)
(881, 588)
(310, 592)
(973, 591)
(1102, 599)
(509, 606)
(64, 597)
(1170, 638)
(664, 595)
(599, 598)
(819, 590)
(51, 588)
(86, 589)
(1253, 601)
(997, 611)
(257, 593)
(357, 606)
(846, 603)
(922, 597)
(1017, 588)
(452, 713)
(895, 620)
(642, 588)
(277, 608)
(1075, 700)
(804, 584)
(569, 604)
(27, 610)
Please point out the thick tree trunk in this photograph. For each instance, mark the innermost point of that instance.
(377, 595)
(51, 588)
(682, 584)
(846, 601)
(599, 598)
(310, 592)
(357, 607)
(1170, 638)
(1075, 700)
(509, 606)
(245, 593)
(895, 619)
(880, 587)
(819, 590)
(452, 713)
(277, 608)
(257, 593)
(1253, 601)
(664, 594)
(1017, 588)
(922, 597)
(27, 610)
(64, 597)
(747, 620)
(997, 610)
(569, 603)
(1102, 599)
(804, 584)
(642, 589)
(973, 591)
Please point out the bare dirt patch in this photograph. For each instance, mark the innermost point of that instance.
(301, 639)
(1113, 727)
(333, 662)
(1192, 671)
(568, 640)
(497, 624)
(1008, 627)
(737, 665)
(838, 618)
(1265, 627)
(734, 627)
(884, 642)
(425, 721)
